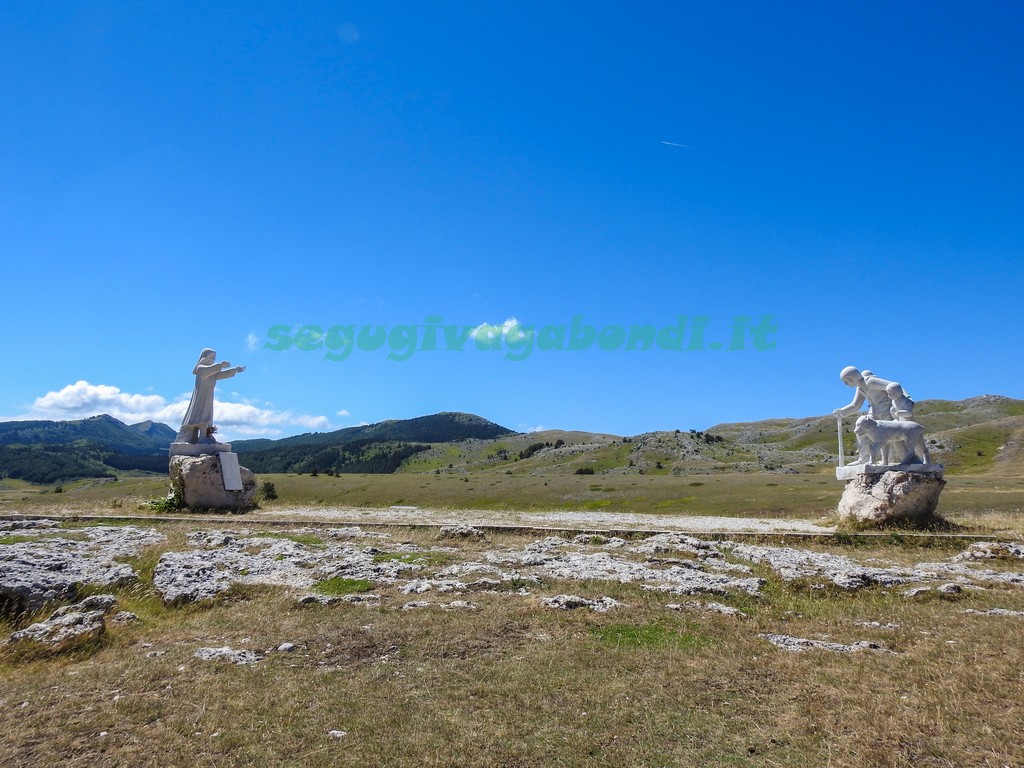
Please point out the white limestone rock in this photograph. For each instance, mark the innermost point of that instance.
(228, 654)
(199, 482)
(992, 550)
(199, 574)
(996, 612)
(875, 499)
(793, 564)
(58, 561)
(713, 607)
(71, 625)
(571, 602)
(798, 644)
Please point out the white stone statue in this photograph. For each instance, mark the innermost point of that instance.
(898, 442)
(869, 387)
(197, 426)
(872, 389)
(901, 407)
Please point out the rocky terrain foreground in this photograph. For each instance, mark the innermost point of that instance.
(42, 562)
(317, 641)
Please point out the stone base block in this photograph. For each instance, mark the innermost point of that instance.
(199, 482)
(198, 449)
(893, 495)
(851, 471)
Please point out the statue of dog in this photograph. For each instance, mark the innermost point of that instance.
(898, 442)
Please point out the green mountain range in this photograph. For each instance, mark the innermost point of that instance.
(58, 451)
(140, 439)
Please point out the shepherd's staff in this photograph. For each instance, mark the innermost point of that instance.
(839, 428)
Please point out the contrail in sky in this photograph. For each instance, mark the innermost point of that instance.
(673, 144)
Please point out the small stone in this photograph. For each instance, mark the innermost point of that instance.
(412, 604)
(571, 602)
(228, 654)
(915, 591)
(725, 610)
(337, 734)
(798, 644)
(124, 617)
(950, 589)
(460, 605)
(313, 599)
(996, 612)
(286, 647)
(460, 532)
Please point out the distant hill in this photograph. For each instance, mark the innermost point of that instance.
(373, 448)
(984, 433)
(439, 428)
(58, 451)
(160, 434)
(137, 439)
(978, 435)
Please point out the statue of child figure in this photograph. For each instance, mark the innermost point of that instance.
(902, 408)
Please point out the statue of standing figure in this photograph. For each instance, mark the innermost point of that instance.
(197, 426)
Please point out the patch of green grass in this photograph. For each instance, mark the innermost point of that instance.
(413, 558)
(339, 585)
(657, 635)
(17, 539)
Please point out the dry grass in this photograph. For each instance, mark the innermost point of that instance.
(737, 495)
(515, 684)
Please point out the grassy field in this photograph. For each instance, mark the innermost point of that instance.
(734, 495)
(516, 684)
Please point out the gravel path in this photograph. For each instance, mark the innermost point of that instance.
(596, 521)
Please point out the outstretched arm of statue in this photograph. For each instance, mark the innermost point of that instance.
(853, 407)
(228, 373)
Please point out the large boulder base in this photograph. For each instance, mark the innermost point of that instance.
(890, 496)
(198, 482)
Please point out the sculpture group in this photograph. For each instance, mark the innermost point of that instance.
(893, 476)
(886, 435)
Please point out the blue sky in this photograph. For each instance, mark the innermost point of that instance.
(175, 177)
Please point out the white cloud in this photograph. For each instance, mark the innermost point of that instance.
(348, 34)
(501, 331)
(252, 342)
(343, 412)
(82, 399)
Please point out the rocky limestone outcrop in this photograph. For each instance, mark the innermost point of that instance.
(72, 625)
(51, 563)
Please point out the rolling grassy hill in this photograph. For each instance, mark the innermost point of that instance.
(979, 435)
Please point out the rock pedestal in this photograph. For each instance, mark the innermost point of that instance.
(881, 497)
(207, 482)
